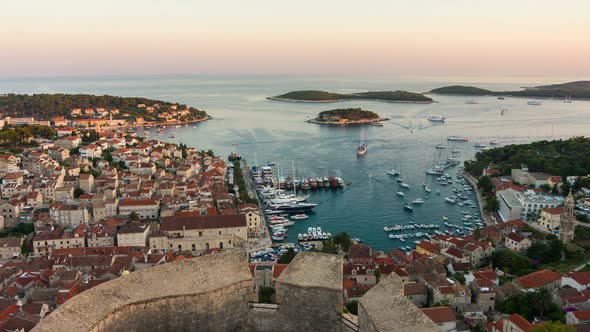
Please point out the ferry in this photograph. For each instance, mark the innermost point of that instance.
(436, 118)
(454, 138)
(362, 150)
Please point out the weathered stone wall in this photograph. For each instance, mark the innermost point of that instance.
(211, 293)
(384, 309)
(220, 310)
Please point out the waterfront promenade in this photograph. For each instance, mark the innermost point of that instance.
(485, 216)
(262, 239)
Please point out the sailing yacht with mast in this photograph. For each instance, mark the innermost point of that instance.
(363, 147)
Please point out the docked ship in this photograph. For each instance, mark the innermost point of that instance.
(454, 138)
(234, 156)
(436, 118)
(362, 150)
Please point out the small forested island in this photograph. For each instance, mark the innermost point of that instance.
(315, 96)
(347, 116)
(91, 107)
(571, 90)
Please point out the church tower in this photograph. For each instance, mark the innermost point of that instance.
(567, 223)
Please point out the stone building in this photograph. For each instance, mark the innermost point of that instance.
(567, 224)
(10, 247)
(212, 293)
(200, 233)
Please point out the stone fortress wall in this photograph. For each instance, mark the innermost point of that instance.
(213, 293)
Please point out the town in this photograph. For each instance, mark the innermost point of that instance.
(85, 205)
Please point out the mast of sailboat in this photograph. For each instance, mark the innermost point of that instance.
(294, 180)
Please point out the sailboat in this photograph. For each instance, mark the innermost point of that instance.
(568, 99)
(363, 147)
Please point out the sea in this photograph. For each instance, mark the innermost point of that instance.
(264, 131)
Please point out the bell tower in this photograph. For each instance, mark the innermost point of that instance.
(567, 222)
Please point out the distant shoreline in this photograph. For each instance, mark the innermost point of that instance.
(502, 95)
(360, 122)
(288, 100)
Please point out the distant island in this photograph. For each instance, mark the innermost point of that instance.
(91, 110)
(315, 96)
(572, 90)
(347, 116)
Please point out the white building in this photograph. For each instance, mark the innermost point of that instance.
(525, 206)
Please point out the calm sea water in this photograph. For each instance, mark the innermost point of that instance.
(263, 130)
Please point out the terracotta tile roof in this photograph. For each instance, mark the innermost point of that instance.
(440, 314)
(414, 289)
(455, 252)
(556, 210)
(359, 251)
(538, 278)
(197, 222)
(515, 237)
(429, 246)
(583, 315)
(138, 202)
(520, 321)
(278, 269)
(583, 278)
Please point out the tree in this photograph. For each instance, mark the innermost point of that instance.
(477, 233)
(485, 184)
(492, 204)
(553, 327)
(78, 192)
(352, 307)
(445, 302)
(133, 216)
(542, 301)
(265, 294)
(287, 257)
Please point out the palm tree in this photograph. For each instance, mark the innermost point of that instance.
(542, 301)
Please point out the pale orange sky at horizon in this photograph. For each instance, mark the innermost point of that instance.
(424, 37)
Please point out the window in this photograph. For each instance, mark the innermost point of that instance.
(200, 233)
(219, 232)
(180, 247)
(220, 245)
(207, 246)
(194, 247)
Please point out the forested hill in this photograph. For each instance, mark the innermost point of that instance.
(46, 106)
(562, 157)
(574, 90)
(322, 96)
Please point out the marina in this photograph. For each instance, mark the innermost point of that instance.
(244, 122)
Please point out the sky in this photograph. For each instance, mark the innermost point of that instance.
(321, 37)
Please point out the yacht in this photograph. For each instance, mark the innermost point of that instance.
(408, 207)
(436, 118)
(418, 201)
(300, 216)
(479, 145)
(427, 188)
(470, 102)
(377, 124)
(234, 156)
(362, 150)
(450, 200)
(399, 193)
(494, 142)
(393, 172)
(454, 138)
(172, 135)
(440, 147)
(404, 185)
(534, 102)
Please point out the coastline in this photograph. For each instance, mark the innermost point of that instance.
(362, 122)
(349, 99)
(152, 124)
(502, 95)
